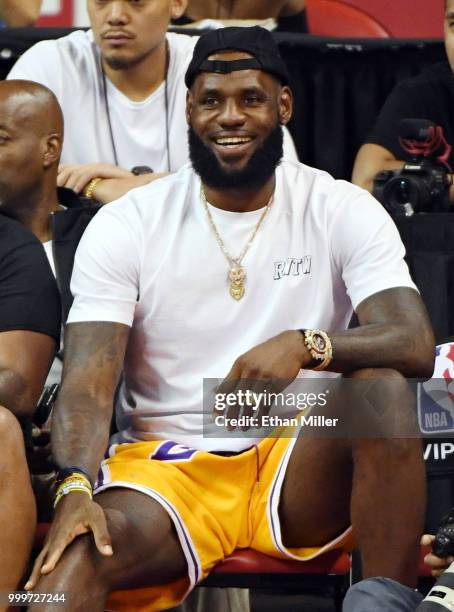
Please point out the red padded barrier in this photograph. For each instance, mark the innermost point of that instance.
(406, 18)
(335, 18)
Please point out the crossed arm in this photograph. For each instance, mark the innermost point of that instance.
(394, 332)
(114, 184)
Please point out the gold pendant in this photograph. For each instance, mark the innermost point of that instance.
(237, 278)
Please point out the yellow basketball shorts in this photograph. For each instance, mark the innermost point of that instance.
(217, 503)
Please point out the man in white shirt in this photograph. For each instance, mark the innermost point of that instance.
(121, 89)
(234, 284)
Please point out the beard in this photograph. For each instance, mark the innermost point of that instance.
(117, 62)
(257, 172)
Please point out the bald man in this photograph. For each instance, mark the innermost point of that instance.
(31, 133)
(289, 14)
(29, 331)
(29, 309)
(32, 121)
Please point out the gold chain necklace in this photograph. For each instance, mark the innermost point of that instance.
(237, 273)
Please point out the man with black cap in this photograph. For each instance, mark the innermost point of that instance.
(243, 271)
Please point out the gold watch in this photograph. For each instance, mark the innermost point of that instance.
(319, 345)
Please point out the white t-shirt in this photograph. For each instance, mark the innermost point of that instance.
(71, 68)
(56, 369)
(50, 255)
(151, 261)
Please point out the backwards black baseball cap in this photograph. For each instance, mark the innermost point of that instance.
(255, 40)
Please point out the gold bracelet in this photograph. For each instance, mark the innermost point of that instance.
(89, 189)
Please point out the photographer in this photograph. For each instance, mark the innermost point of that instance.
(441, 596)
(429, 95)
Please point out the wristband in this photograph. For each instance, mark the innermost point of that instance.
(63, 473)
(73, 484)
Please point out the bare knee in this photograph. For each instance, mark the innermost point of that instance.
(384, 403)
(398, 451)
(146, 552)
(394, 415)
(83, 553)
(147, 541)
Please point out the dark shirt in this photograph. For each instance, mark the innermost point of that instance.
(29, 298)
(67, 229)
(430, 95)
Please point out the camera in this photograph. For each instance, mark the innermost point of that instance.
(423, 183)
(419, 187)
(443, 545)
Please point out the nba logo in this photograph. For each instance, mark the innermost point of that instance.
(436, 396)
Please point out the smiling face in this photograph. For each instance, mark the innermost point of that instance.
(237, 117)
(128, 31)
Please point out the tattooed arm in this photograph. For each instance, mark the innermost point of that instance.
(94, 354)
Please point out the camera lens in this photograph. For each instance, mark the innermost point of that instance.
(402, 191)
